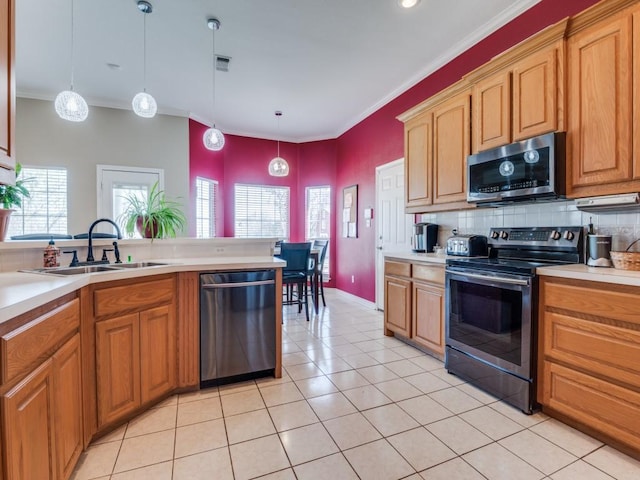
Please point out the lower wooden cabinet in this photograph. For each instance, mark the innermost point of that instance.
(135, 353)
(414, 303)
(589, 344)
(42, 419)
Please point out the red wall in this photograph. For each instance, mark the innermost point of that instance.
(351, 159)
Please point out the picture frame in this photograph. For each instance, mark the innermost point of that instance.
(350, 212)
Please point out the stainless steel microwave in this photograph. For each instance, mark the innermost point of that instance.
(527, 170)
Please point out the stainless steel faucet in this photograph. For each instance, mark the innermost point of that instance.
(90, 247)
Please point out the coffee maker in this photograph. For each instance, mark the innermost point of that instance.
(425, 236)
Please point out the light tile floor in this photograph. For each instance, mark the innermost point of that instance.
(352, 404)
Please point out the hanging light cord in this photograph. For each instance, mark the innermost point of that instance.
(72, 51)
(213, 73)
(278, 115)
(144, 52)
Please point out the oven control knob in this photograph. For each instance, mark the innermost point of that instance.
(494, 234)
(555, 235)
(504, 235)
(568, 235)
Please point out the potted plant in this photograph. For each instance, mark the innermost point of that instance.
(154, 216)
(11, 196)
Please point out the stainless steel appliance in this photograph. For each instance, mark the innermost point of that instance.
(526, 170)
(237, 326)
(467, 245)
(491, 309)
(425, 236)
(598, 250)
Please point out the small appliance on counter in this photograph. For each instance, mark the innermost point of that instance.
(467, 245)
(425, 236)
(599, 250)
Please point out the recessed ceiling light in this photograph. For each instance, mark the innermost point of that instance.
(408, 3)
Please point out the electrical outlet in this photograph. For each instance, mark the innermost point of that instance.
(353, 279)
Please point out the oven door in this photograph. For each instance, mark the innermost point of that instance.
(489, 316)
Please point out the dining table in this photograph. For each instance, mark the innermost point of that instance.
(314, 254)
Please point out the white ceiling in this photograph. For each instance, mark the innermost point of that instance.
(327, 64)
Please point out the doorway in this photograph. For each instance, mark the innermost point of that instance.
(393, 226)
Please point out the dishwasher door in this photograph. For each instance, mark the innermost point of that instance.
(237, 325)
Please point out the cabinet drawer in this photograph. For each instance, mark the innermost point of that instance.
(605, 350)
(24, 348)
(429, 273)
(622, 305)
(401, 269)
(608, 408)
(128, 298)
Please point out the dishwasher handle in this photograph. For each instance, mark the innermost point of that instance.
(213, 286)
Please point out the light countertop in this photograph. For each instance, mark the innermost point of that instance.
(593, 274)
(416, 257)
(21, 291)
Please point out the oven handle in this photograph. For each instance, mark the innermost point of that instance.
(511, 281)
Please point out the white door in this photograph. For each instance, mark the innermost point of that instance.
(393, 226)
(115, 182)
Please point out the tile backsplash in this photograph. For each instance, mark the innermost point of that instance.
(624, 227)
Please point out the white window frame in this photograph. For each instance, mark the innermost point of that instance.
(248, 215)
(42, 197)
(307, 222)
(212, 188)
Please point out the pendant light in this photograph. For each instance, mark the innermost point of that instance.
(144, 105)
(213, 138)
(68, 104)
(278, 166)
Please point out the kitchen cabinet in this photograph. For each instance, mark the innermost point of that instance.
(135, 346)
(589, 345)
(7, 91)
(437, 143)
(520, 94)
(42, 434)
(414, 304)
(603, 84)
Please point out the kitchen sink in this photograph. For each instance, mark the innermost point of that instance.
(73, 270)
(93, 268)
(138, 265)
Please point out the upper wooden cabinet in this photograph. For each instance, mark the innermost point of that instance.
(7, 91)
(602, 78)
(437, 143)
(520, 94)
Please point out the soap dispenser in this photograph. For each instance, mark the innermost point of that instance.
(51, 254)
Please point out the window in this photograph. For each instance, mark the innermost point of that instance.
(317, 217)
(261, 211)
(205, 207)
(46, 210)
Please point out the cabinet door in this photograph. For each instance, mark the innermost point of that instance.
(427, 319)
(492, 112)
(535, 95)
(417, 161)
(157, 352)
(397, 305)
(117, 367)
(68, 406)
(451, 144)
(28, 425)
(600, 103)
(7, 90)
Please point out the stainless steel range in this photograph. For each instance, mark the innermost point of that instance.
(491, 309)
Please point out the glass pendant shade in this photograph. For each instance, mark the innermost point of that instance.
(144, 105)
(213, 139)
(278, 167)
(71, 106)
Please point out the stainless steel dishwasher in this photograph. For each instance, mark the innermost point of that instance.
(237, 326)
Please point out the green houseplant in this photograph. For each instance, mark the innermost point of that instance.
(154, 216)
(11, 196)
